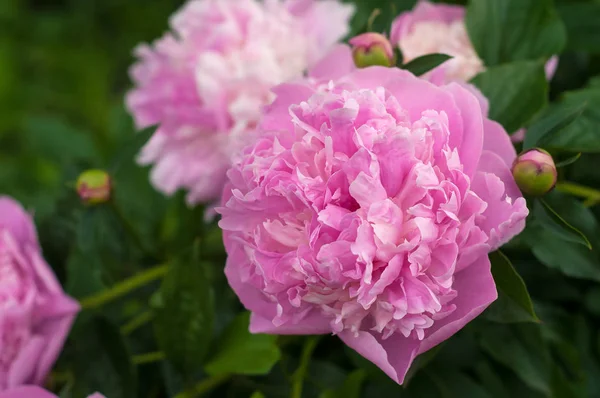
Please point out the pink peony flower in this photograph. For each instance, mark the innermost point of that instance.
(35, 313)
(35, 392)
(368, 209)
(440, 28)
(204, 84)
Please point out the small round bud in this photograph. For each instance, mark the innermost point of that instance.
(94, 186)
(370, 49)
(535, 172)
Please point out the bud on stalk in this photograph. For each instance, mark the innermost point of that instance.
(535, 172)
(370, 49)
(94, 186)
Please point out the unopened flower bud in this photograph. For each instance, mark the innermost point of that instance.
(370, 49)
(535, 172)
(94, 186)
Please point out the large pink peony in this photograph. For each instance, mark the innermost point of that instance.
(35, 313)
(368, 210)
(35, 392)
(204, 84)
(440, 28)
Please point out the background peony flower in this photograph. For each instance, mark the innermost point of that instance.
(35, 313)
(368, 209)
(440, 28)
(35, 392)
(205, 83)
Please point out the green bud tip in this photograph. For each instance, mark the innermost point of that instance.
(94, 186)
(371, 49)
(535, 172)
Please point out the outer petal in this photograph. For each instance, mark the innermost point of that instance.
(476, 291)
(328, 21)
(497, 140)
(17, 221)
(55, 330)
(507, 210)
(27, 392)
(337, 63)
(22, 369)
(393, 355)
(314, 323)
(473, 127)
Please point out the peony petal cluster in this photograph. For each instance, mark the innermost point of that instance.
(204, 84)
(367, 209)
(35, 313)
(440, 28)
(35, 392)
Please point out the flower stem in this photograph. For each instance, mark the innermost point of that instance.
(124, 287)
(591, 195)
(136, 322)
(148, 358)
(204, 386)
(300, 373)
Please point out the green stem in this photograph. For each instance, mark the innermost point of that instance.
(148, 358)
(204, 386)
(136, 322)
(124, 287)
(300, 373)
(578, 190)
(591, 195)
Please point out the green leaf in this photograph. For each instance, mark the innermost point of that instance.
(54, 139)
(552, 122)
(516, 92)
(455, 384)
(557, 248)
(184, 313)
(389, 10)
(258, 394)
(240, 352)
(549, 218)
(569, 161)
(508, 30)
(101, 361)
(582, 134)
(520, 348)
(421, 65)
(514, 303)
(351, 387)
(572, 259)
(582, 21)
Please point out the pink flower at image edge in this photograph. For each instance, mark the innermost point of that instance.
(35, 392)
(35, 313)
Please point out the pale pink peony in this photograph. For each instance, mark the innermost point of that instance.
(440, 28)
(35, 313)
(35, 392)
(205, 83)
(368, 209)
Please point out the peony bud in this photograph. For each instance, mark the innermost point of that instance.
(370, 49)
(94, 186)
(535, 172)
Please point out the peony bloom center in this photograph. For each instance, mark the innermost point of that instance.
(364, 217)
